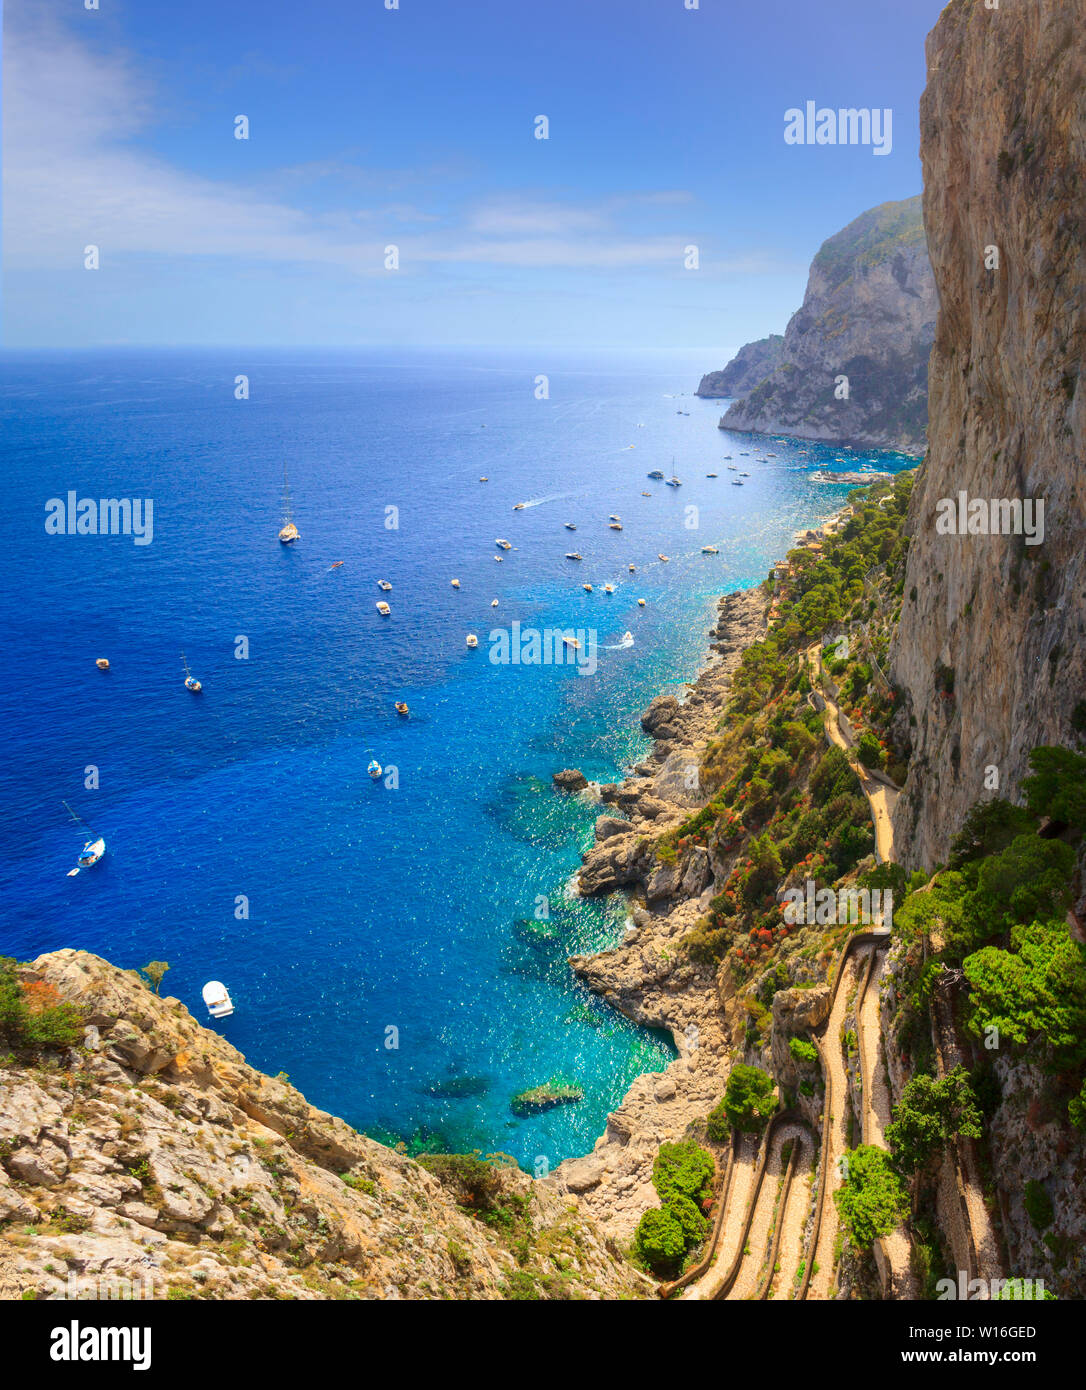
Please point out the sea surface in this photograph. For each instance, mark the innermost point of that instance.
(397, 947)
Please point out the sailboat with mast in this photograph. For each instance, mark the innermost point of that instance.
(191, 683)
(93, 848)
(289, 532)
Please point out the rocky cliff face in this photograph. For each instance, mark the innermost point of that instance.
(157, 1156)
(990, 650)
(747, 369)
(868, 315)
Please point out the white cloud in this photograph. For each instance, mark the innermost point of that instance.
(74, 174)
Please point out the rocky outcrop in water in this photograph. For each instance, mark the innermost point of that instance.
(990, 650)
(868, 316)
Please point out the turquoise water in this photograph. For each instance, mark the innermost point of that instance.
(376, 914)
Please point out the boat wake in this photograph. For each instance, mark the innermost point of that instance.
(627, 641)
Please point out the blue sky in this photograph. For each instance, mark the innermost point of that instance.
(414, 127)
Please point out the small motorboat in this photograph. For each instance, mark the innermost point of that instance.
(646, 494)
(771, 456)
(571, 526)
(384, 584)
(493, 603)
(673, 482)
(374, 769)
(401, 708)
(498, 558)
(711, 475)
(744, 475)
(732, 468)
(484, 480)
(455, 583)
(334, 566)
(217, 998)
(664, 558)
(613, 517)
(627, 638)
(191, 683)
(709, 550)
(608, 588)
(472, 640)
(102, 663)
(383, 608)
(519, 506)
(572, 642)
(615, 525)
(503, 545)
(640, 603)
(633, 568)
(736, 483)
(573, 555)
(657, 474)
(587, 588)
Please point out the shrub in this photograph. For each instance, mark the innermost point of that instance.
(1038, 1206)
(660, 1241)
(873, 1199)
(34, 1016)
(928, 1115)
(682, 1169)
(748, 1100)
(803, 1050)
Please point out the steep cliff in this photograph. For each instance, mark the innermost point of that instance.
(150, 1153)
(748, 368)
(868, 315)
(990, 652)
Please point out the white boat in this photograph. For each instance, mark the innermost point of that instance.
(608, 588)
(640, 603)
(472, 640)
(613, 517)
(646, 494)
(217, 998)
(503, 545)
(709, 550)
(102, 663)
(572, 642)
(519, 506)
(633, 568)
(374, 769)
(289, 532)
(383, 608)
(664, 558)
(673, 482)
(627, 638)
(93, 848)
(484, 480)
(710, 475)
(573, 555)
(587, 588)
(570, 526)
(455, 583)
(657, 474)
(384, 584)
(615, 525)
(191, 683)
(493, 603)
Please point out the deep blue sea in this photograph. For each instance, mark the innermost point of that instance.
(377, 914)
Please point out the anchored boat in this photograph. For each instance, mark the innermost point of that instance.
(217, 998)
(93, 848)
(289, 532)
(191, 683)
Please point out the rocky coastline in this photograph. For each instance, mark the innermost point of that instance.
(645, 977)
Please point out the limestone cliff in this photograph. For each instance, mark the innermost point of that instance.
(155, 1155)
(868, 315)
(990, 652)
(748, 368)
